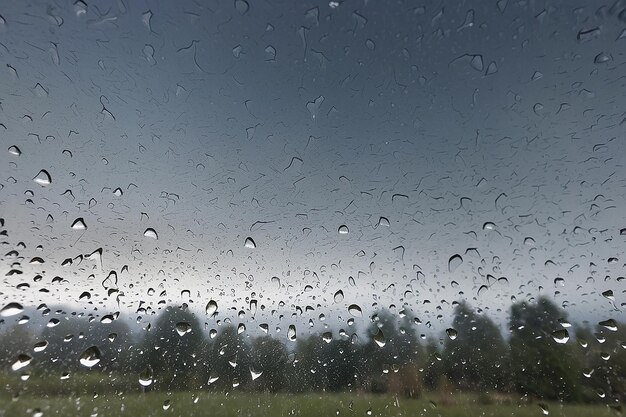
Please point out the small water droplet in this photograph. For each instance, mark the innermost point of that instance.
(255, 374)
(379, 338)
(338, 296)
(454, 262)
(383, 221)
(14, 150)
(343, 230)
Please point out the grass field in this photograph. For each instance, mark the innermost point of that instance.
(246, 404)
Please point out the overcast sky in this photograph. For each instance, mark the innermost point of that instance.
(490, 130)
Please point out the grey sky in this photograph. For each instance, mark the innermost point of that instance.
(282, 121)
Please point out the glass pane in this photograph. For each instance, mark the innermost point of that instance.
(312, 208)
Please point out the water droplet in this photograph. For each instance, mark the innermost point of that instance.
(118, 192)
(276, 282)
(14, 150)
(11, 309)
(383, 221)
(145, 377)
(327, 337)
(22, 361)
(609, 324)
(40, 346)
(343, 230)
(544, 409)
(90, 357)
(255, 374)
(79, 224)
(250, 243)
(454, 262)
(355, 310)
(601, 58)
(379, 338)
(452, 334)
(213, 377)
(211, 308)
(291, 333)
(609, 294)
(560, 336)
(489, 226)
(151, 233)
(166, 405)
(338, 296)
(182, 328)
(43, 178)
(241, 328)
(477, 62)
(242, 6)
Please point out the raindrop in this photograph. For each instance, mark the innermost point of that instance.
(250, 243)
(14, 150)
(489, 226)
(343, 230)
(276, 282)
(90, 357)
(560, 336)
(79, 224)
(291, 333)
(355, 310)
(601, 58)
(379, 338)
(454, 262)
(182, 328)
(452, 334)
(43, 178)
(145, 377)
(242, 6)
(338, 296)
(40, 346)
(255, 374)
(327, 337)
(609, 324)
(22, 361)
(211, 308)
(151, 233)
(383, 221)
(11, 309)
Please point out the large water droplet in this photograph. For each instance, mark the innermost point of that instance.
(454, 262)
(182, 328)
(338, 296)
(145, 377)
(255, 374)
(151, 233)
(560, 336)
(343, 230)
(43, 178)
(249, 243)
(14, 150)
(379, 338)
(22, 361)
(11, 309)
(90, 357)
(291, 333)
(79, 224)
(211, 308)
(452, 334)
(355, 310)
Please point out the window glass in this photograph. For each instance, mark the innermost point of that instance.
(349, 207)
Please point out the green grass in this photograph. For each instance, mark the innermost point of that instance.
(248, 404)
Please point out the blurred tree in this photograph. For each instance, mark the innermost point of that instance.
(172, 350)
(229, 360)
(269, 355)
(14, 340)
(540, 366)
(475, 355)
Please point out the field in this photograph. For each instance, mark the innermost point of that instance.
(246, 404)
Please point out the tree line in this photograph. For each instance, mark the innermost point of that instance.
(543, 356)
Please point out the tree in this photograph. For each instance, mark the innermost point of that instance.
(475, 354)
(543, 365)
(172, 351)
(228, 359)
(269, 355)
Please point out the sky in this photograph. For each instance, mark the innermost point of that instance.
(471, 151)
